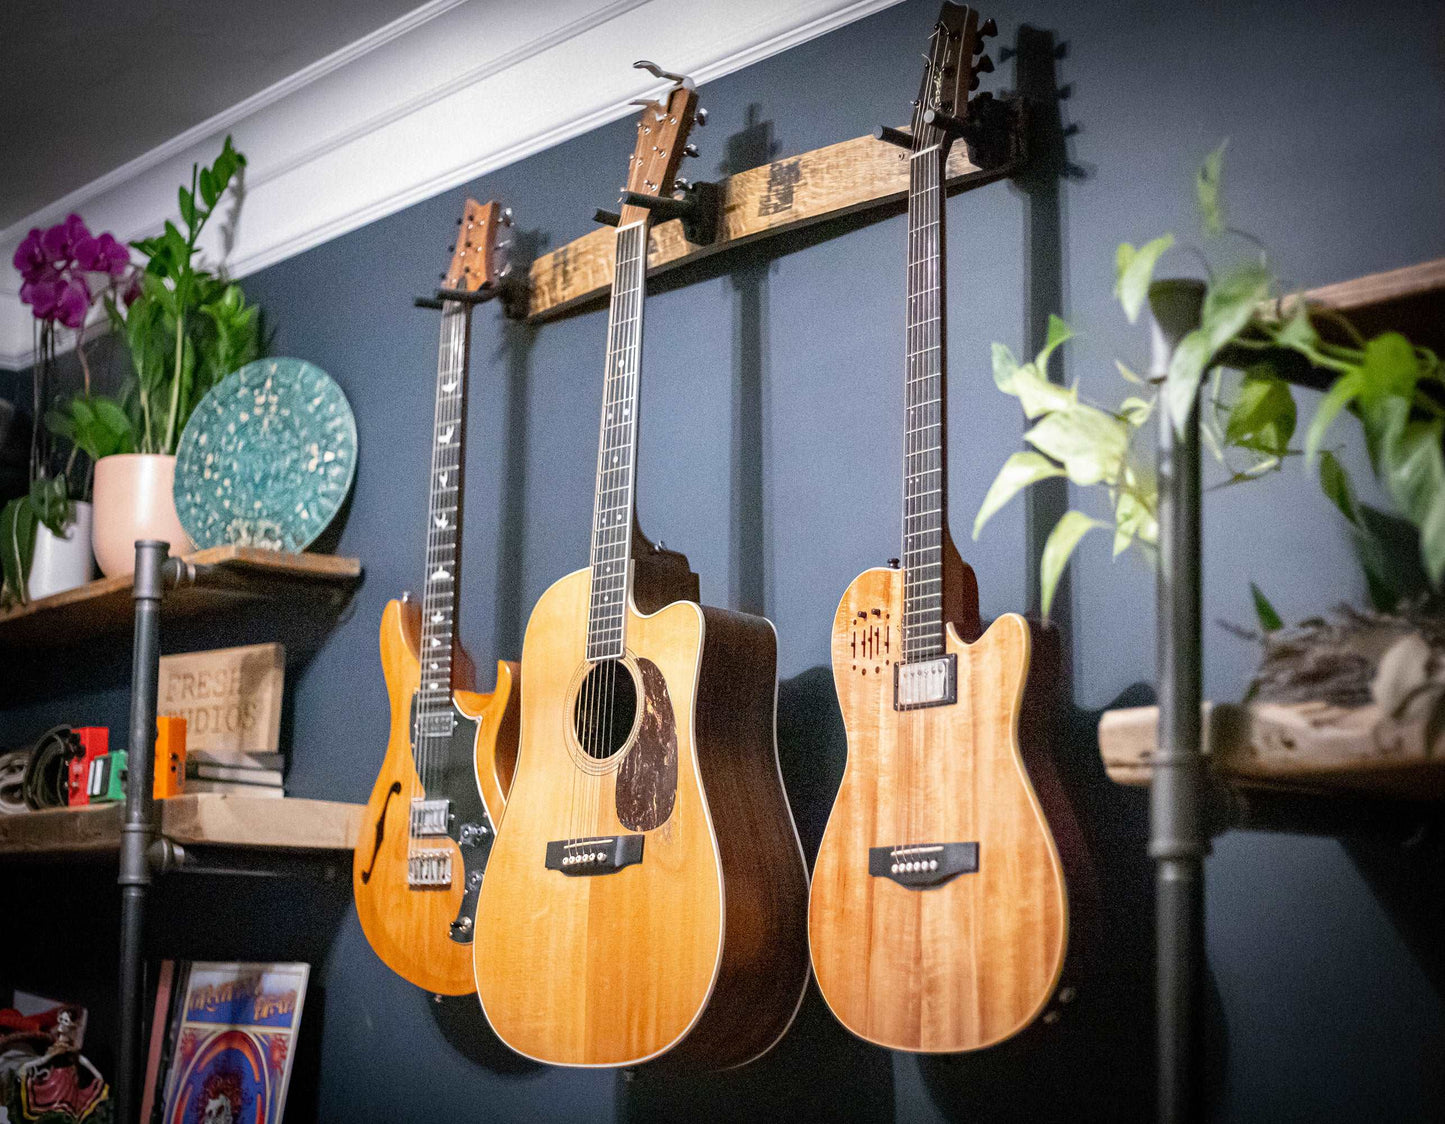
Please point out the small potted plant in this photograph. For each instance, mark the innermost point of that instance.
(46, 534)
(185, 329)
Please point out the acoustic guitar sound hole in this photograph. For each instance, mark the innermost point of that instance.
(606, 709)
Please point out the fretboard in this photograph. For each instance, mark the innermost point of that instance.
(617, 451)
(443, 513)
(923, 448)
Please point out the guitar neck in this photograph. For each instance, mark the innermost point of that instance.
(924, 478)
(444, 506)
(612, 514)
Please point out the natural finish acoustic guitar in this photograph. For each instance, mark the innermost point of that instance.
(432, 816)
(647, 882)
(938, 916)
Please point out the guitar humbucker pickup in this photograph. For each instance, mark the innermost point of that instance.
(921, 683)
(429, 868)
(920, 866)
(601, 854)
(430, 817)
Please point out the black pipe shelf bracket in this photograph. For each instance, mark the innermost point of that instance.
(1178, 799)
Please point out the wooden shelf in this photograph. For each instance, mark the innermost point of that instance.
(1304, 746)
(826, 183)
(1409, 300)
(237, 572)
(211, 819)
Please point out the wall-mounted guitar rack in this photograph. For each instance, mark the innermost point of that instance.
(786, 195)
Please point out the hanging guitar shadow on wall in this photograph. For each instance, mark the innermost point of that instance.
(1095, 1040)
(818, 1071)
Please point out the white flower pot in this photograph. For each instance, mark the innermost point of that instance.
(62, 562)
(134, 499)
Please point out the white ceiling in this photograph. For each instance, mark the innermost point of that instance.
(88, 86)
(347, 111)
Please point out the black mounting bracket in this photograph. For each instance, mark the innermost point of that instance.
(989, 131)
(698, 210)
(511, 289)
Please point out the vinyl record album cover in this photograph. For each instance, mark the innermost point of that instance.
(232, 1043)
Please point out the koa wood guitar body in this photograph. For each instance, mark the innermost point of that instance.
(938, 920)
(433, 813)
(905, 958)
(647, 883)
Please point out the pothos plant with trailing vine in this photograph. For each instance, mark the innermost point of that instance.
(1248, 336)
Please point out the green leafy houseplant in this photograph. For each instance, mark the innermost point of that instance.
(1247, 420)
(48, 504)
(185, 329)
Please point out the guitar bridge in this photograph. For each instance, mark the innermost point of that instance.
(925, 683)
(430, 816)
(429, 868)
(923, 865)
(601, 854)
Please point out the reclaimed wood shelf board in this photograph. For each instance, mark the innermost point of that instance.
(1305, 746)
(210, 819)
(236, 572)
(1409, 300)
(827, 183)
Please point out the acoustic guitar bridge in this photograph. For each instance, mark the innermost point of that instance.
(923, 865)
(600, 854)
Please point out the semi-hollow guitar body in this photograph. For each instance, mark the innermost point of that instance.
(424, 932)
(938, 918)
(651, 901)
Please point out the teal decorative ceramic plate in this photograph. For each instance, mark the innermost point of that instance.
(267, 457)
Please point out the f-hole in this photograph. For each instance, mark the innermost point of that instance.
(606, 709)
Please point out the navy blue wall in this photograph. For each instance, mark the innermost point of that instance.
(770, 454)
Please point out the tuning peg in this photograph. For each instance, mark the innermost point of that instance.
(984, 65)
(678, 181)
(989, 29)
(973, 82)
(689, 149)
(506, 216)
(700, 117)
(452, 248)
(459, 222)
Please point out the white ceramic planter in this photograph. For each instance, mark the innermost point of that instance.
(62, 562)
(133, 500)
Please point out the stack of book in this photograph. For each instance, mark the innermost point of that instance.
(248, 774)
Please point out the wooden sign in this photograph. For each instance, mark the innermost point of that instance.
(230, 699)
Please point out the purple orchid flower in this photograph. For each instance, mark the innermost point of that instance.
(29, 258)
(73, 303)
(101, 255)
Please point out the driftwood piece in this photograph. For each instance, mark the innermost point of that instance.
(826, 183)
(1308, 745)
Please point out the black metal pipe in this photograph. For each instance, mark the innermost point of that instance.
(1178, 829)
(138, 828)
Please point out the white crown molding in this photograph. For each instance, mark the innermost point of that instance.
(451, 91)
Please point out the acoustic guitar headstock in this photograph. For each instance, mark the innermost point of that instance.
(952, 65)
(662, 141)
(480, 258)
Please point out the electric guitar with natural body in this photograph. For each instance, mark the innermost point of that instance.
(938, 917)
(647, 881)
(431, 820)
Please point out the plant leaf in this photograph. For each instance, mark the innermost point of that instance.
(1128, 375)
(1135, 411)
(1005, 367)
(1269, 620)
(1207, 186)
(1297, 332)
(1071, 527)
(1059, 332)
(1335, 483)
(1017, 473)
(17, 546)
(1345, 390)
(1089, 443)
(1134, 269)
(1432, 539)
(1263, 416)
